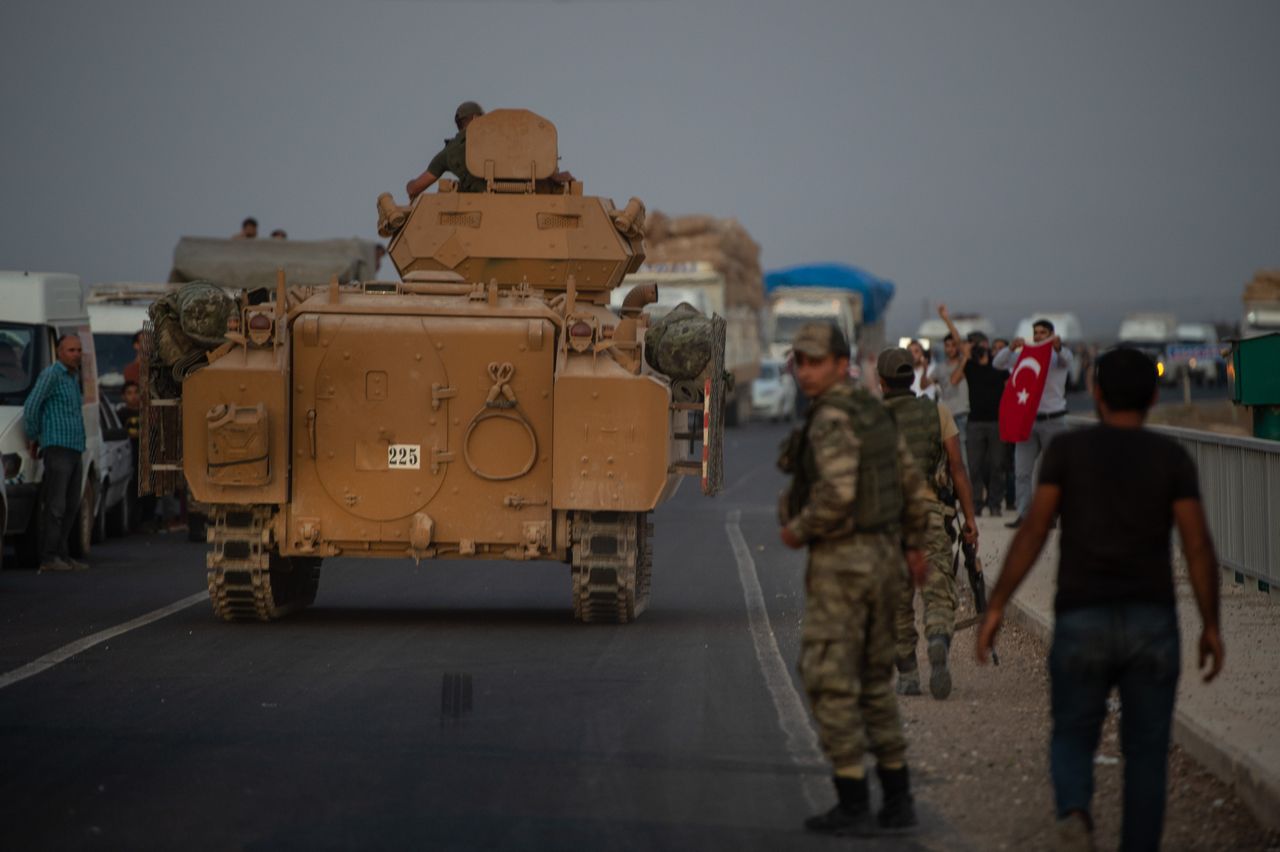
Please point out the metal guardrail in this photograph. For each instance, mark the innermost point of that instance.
(1240, 490)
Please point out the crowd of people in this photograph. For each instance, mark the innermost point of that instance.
(879, 494)
(970, 380)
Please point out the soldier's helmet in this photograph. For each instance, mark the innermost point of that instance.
(466, 109)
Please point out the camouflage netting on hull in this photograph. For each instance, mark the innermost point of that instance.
(185, 324)
(246, 264)
(680, 344)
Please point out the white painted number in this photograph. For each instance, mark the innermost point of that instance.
(403, 456)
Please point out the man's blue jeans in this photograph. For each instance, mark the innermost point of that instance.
(1132, 646)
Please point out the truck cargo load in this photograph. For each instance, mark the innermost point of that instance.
(248, 264)
(853, 299)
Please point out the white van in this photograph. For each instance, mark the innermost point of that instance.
(35, 309)
(117, 312)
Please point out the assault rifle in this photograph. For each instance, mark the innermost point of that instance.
(978, 585)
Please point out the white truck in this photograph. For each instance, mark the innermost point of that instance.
(1151, 333)
(701, 285)
(117, 312)
(851, 298)
(38, 308)
(792, 308)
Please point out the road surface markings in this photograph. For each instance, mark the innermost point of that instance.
(68, 651)
(793, 718)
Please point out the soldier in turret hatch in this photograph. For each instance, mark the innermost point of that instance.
(452, 157)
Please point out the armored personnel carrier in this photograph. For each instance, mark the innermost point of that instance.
(489, 405)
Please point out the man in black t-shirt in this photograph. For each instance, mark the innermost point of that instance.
(986, 453)
(1120, 489)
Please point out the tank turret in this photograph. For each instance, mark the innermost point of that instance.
(526, 227)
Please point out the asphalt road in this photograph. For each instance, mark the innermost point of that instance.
(451, 705)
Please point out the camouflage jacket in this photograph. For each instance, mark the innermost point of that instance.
(828, 512)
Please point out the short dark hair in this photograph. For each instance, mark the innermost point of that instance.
(63, 338)
(950, 338)
(1126, 379)
(130, 384)
(1044, 323)
(1003, 340)
(249, 220)
(137, 337)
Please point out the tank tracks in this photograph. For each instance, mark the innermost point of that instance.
(248, 580)
(612, 564)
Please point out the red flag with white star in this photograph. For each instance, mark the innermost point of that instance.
(1022, 392)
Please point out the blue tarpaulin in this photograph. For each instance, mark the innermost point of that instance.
(876, 292)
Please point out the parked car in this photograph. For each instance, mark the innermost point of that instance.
(773, 393)
(115, 463)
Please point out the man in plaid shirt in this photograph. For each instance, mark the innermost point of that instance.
(55, 424)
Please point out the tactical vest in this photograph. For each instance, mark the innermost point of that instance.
(878, 502)
(917, 420)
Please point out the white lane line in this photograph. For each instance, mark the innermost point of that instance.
(68, 651)
(793, 718)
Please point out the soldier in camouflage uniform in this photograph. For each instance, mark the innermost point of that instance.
(452, 157)
(856, 498)
(931, 434)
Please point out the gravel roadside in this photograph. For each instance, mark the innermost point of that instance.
(981, 757)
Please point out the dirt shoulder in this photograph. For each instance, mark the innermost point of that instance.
(982, 759)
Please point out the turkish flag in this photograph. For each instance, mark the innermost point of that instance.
(1022, 392)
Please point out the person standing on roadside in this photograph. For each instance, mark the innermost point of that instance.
(1053, 407)
(948, 375)
(1119, 489)
(985, 457)
(856, 500)
(998, 345)
(931, 436)
(54, 419)
(921, 384)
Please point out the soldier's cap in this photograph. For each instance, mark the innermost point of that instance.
(820, 339)
(466, 109)
(895, 363)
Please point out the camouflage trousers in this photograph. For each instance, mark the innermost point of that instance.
(847, 652)
(938, 592)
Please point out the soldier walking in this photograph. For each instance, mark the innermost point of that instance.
(930, 433)
(856, 497)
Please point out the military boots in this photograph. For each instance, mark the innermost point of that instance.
(908, 676)
(898, 812)
(851, 814)
(939, 673)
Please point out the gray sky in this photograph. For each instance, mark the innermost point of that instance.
(1005, 157)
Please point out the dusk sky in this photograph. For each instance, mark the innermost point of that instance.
(1004, 157)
